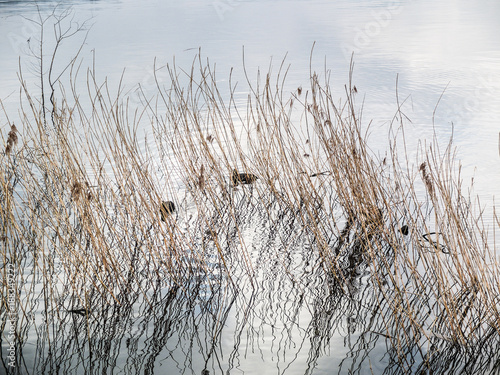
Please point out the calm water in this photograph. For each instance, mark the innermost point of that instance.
(428, 47)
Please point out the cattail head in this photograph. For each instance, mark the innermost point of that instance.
(12, 139)
(426, 177)
(201, 177)
(76, 189)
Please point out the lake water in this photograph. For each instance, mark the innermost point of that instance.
(445, 52)
(433, 48)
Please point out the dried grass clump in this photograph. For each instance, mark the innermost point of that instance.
(446, 265)
(82, 203)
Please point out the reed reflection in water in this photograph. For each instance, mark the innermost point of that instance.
(302, 270)
(292, 307)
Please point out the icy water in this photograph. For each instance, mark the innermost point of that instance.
(300, 321)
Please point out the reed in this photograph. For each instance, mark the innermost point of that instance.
(81, 202)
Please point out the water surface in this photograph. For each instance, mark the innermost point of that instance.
(418, 52)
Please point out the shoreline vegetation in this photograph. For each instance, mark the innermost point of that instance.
(392, 245)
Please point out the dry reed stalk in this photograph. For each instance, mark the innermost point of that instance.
(90, 195)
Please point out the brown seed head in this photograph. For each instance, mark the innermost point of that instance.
(76, 189)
